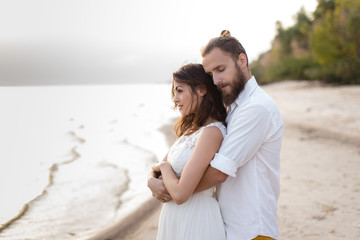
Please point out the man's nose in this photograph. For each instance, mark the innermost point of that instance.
(216, 79)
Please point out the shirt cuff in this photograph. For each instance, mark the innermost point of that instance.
(224, 164)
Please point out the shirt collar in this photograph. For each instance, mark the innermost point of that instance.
(249, 88)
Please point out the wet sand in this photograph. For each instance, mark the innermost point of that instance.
(320, 159)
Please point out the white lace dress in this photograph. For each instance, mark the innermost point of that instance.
(199, 217)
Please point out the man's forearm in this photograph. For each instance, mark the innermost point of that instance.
(211, 178)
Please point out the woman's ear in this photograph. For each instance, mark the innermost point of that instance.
(201, 91)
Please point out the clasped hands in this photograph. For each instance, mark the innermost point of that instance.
(156, 184)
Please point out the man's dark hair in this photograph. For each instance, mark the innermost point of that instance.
(226, 43)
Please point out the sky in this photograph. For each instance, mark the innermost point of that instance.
(62, 42)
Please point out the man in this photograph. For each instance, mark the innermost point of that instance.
(248, 162)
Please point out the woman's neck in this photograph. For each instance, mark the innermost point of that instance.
(209, 120)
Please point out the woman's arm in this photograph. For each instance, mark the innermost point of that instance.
(207, 144)
(156, 185)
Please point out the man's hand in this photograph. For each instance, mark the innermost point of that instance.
(157, 187)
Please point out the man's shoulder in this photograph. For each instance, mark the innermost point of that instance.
(261, 98)
(260, 103)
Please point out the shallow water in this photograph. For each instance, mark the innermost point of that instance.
(74, 159)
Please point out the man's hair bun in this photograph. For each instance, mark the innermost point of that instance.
(225, 33)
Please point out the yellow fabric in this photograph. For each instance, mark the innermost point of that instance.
(263, 238)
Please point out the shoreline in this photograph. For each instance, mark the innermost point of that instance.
(141, 223)
(52, 170)
(129, 227)
(98, 178)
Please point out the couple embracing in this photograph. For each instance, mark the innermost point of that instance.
(229, 138)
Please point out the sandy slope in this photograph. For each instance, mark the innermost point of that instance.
(320, 180)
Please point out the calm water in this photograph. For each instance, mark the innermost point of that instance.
(77, 156)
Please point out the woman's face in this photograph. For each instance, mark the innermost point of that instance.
(185, 100)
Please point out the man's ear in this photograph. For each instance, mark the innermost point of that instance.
(242, 60)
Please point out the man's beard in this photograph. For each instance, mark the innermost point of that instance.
(236, 87)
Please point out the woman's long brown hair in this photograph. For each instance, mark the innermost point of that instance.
(212, 106)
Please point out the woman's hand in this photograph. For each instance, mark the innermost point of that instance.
(156, 184)
(157, 168)
(157, 187)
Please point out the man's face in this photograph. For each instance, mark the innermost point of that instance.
(226, 73)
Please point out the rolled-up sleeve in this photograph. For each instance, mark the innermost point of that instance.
(245, 134)
(224, 164)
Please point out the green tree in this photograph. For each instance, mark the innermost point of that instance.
(325, 46)
(290, 54)
(335, 41)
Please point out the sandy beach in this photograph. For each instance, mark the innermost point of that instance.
(320, 159)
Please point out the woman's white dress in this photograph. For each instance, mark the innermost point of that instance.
(199, 217)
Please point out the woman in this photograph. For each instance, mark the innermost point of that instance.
(200, 132)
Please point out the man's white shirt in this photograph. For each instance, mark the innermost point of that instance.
(250, 155)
